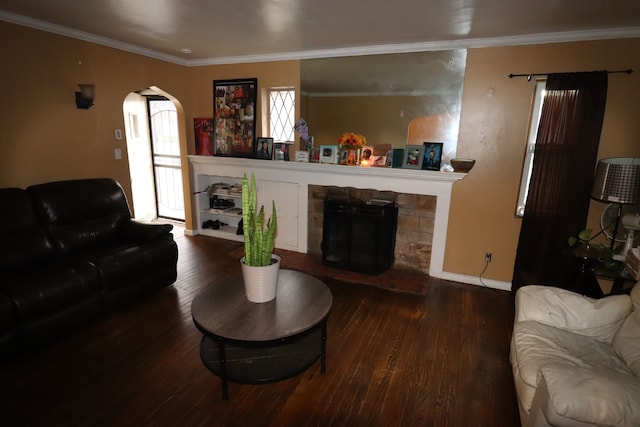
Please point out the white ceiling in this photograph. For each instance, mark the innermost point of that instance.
(227, 31)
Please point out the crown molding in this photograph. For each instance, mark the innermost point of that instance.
(93, 38)
(559, 37)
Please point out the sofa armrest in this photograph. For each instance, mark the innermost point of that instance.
(563, 309)
(141, 231)
(573, 395)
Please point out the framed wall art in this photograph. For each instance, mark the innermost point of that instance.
(234, 112)
(263, 148)
(413, 157)
(203, 135)
(432, 156)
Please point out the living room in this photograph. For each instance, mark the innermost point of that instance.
(49, 139)
(493, 125)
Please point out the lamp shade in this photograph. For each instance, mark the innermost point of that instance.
(617, 180)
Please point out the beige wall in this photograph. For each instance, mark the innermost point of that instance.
(493, 128)
(46, 138)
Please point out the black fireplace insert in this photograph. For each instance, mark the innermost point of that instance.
(359, 237)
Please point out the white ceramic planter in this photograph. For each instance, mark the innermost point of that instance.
(261, 283)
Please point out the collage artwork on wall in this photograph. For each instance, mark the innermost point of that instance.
(234, 106)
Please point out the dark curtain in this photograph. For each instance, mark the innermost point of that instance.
(560, 186)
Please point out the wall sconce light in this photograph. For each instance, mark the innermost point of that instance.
(84, 98)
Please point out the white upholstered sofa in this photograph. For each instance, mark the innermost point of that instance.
(576, 360)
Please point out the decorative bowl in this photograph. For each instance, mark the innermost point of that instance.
(462, 165)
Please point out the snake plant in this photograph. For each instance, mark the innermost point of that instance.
(258, 240)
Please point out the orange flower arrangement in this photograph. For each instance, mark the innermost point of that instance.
(352, 140)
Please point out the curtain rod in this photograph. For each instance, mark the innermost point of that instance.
(528, 76)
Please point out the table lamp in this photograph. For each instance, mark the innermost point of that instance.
(617, 180)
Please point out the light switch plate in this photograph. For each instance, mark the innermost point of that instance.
(118, 134)
(118, 153)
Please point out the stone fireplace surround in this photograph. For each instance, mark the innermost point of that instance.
(414, 235)
(425, 218)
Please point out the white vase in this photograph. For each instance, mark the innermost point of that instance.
(261, 283)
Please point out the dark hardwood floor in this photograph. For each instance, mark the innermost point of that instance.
(394, 359)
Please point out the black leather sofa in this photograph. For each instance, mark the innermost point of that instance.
(69, 252)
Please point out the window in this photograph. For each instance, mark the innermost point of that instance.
(538, 100)
(282, 103)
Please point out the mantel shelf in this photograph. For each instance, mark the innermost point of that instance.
(409, 181)
(324, 168)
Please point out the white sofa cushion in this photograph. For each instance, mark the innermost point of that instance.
(626, 343)
(560, 308)
(635, 296)
(535, 345)
(599, 396)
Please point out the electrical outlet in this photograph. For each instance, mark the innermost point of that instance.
(487, 257)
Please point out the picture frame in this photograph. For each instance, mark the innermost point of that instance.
(203, 136)
(281, 151)
(432, 157)
(329, 154)
(234, 114)
(302, 156)
(379, 161)
(382, 155)
(413, 156)
(314, 155)
(366, 155)
(263, 148)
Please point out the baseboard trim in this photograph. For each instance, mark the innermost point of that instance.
(475, 280)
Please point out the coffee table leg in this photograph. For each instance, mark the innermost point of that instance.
(323, 348)
(223, 369)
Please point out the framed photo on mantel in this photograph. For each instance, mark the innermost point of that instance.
(264, 148)
(329, 154)
(234, 112)
(432, 155)
(413, 156)
(381, 155)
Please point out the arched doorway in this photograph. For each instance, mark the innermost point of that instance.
(153, 146)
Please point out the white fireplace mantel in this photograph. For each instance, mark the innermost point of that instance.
(432, 183)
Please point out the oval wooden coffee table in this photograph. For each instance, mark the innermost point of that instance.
(254, 343)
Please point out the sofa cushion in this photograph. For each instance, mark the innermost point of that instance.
(593, 395)
(535, 345)
(567, 310)
(17, 213)
(626, 342)
(23, 240)
(88, 235)
(40, 292)
(77, 201)
(27, 248)
(8, 327)
(635, 296)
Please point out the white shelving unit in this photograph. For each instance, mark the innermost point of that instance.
(222, 188)
(287, 183)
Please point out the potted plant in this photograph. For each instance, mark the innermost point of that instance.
(589, 252)
(260, 267)
(350, 144)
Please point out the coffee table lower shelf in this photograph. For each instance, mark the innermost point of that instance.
(253, 362)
